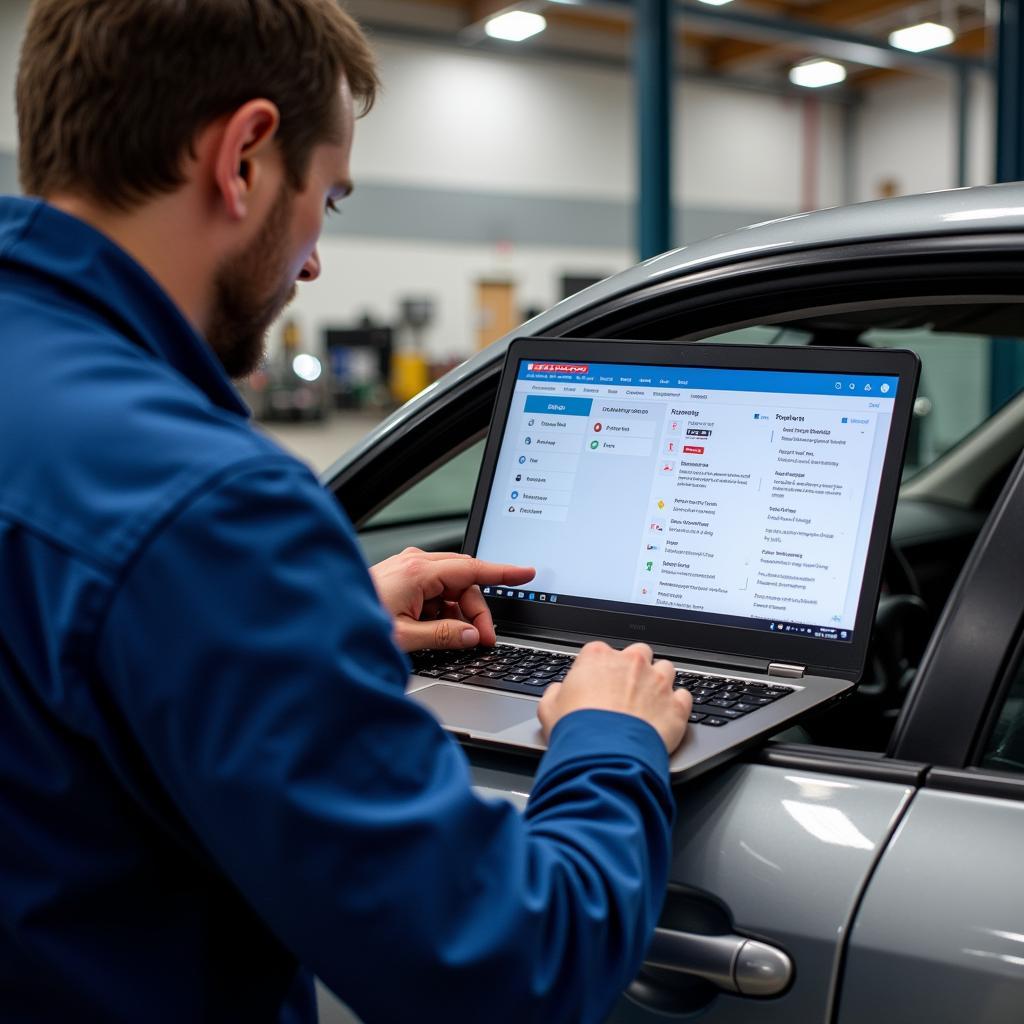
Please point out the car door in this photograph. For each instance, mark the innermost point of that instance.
(939, 935)
(779, 847)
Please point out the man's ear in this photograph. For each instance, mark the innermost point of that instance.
(246, 159)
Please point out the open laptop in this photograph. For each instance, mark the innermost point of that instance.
(728, 505)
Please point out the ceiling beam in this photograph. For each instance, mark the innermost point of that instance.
(977, 42)
(825, 40)
(731, 52)
(481, 10)
(614, 23)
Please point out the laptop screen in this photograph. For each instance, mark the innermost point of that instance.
(729, 497)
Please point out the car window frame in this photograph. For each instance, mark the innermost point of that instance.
(907, 271)
(970, 264)
(943, 719)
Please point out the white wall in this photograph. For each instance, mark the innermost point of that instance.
(907, 132)
(373, 276)
(457, 119)
(452, 119)
(739, 148)
(981, 163)
(12, 27)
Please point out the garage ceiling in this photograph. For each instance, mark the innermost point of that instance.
(746, 39)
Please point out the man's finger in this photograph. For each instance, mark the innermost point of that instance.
(474, 607)
(685, 698)
(666, 670)
(546, 708)
(441, 634)
(436, 556)
(450, 577)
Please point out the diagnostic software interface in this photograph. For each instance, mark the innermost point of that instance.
(726, 496)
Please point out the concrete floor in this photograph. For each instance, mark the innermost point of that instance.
(320, 444)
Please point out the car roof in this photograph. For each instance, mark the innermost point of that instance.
(952, 211)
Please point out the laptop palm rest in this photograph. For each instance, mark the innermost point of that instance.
(474, 711)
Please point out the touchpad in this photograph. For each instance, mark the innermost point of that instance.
(462, 708)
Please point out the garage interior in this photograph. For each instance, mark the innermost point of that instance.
(496, 177)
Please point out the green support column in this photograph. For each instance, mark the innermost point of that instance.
(653, 53)
(1007, 372)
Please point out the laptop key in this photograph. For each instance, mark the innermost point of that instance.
(710, 720)
(730, 713)
(455, 677)
(715, 712)
(697, 717)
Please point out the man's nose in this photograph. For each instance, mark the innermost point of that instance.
(311, 268)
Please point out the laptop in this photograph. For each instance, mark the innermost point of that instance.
(730, 506)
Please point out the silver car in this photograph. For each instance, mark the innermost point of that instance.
(864, 868)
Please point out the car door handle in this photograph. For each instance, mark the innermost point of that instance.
(734, 963)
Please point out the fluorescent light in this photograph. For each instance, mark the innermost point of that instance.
(515, 26)
(813, 74)
(926, 36)
(716, 3)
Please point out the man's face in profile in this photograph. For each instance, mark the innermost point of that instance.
(253, 286)
(250, 291)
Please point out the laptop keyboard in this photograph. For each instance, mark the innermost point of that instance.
(717, 700)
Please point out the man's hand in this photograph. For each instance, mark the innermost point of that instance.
(604, 679)
(435, 599)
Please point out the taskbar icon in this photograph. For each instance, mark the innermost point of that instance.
(520, 595)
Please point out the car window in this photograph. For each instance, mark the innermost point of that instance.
(1005, 748)
(964, 350)
(446, 492)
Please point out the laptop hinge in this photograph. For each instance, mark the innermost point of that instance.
(780, 668)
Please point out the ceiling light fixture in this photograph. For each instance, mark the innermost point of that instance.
(716, 3)
(813, 74)
(515, 26)
(918, 38)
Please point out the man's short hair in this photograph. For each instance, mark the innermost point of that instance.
(111, 95)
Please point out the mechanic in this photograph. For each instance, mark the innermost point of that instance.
(212, 786)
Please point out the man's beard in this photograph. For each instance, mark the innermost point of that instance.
(250, 291)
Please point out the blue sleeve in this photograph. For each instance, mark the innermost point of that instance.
(248, 653)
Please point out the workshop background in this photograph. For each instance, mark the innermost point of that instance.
(496, 177)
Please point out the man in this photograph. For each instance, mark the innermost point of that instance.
(211, 783)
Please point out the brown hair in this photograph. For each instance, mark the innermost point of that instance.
(112, 93)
